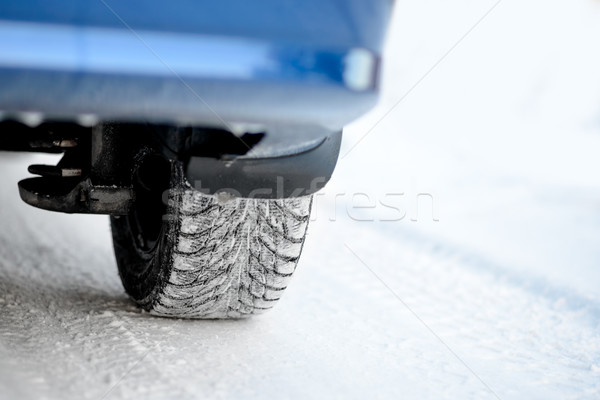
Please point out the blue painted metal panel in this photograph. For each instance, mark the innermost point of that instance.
(189, 61)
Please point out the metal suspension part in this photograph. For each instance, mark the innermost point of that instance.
(107, 167)
(90, 178)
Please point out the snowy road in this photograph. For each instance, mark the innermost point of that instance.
(497, 299)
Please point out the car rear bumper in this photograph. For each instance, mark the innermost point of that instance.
(99, 72)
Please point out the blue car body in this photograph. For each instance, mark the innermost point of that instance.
(314, 62)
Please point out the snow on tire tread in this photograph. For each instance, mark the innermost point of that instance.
(232, 258)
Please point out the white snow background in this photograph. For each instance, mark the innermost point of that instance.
(497, 299)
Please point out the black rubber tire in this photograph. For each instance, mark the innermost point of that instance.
(212, 258)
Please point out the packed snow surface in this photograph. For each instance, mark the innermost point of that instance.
(455, 254)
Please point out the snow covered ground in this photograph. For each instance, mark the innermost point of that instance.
(491, 293)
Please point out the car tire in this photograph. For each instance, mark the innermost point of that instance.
(207, 256)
